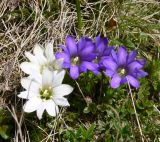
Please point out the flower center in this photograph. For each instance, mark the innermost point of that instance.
(75, 60)
(46, 93)
(121, 72)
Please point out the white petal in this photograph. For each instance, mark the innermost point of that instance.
(33, 70)
(58, 63)
(36, 76)
(58, 78)
(47, 77)
(32, 105)
(40, 110)
(61, 102)
(27, 95)
(38, 49)
(31, 57)
(49, 52)
(62, 90)
(39, 53)
(29, 84)
(51, 107)
(27, 67)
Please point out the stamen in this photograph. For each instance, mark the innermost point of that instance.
(75, 60)
(46, 93)
(121, 72)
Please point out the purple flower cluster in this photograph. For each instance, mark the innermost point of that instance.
(99, 57)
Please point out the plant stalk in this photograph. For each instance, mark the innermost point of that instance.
(79, 17)
(135, 111)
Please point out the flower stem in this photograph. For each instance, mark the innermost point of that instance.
(81, 92)
(79, 17)
(135, 111)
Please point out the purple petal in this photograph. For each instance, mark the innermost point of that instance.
(83, 42)
(115, 81)
(89, 48)
(133, 81)
(114, 55)
(66, 65)
(141, 61)
(133, 66)
(90, 66)
(107, 51)
(141, 73)
(88, 57)
(109, 73)
(74, 72)
(109, 63)
(100, 40)
(71, 45)
(64, 56)
(123, 81)
(122, 56)
(132, 55)
(101, 44)
(82, 68)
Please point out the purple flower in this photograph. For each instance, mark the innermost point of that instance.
(102, 50)
(78, 57)
(123, 67)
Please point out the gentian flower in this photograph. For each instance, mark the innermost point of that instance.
(45, 92)
(42, 58)
(78, 57)
(123, 67)
(102, 51)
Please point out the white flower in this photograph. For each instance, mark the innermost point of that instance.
(42, 58)
(45, 93)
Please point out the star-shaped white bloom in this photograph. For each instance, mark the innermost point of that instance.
(42, 58)
(45, 93)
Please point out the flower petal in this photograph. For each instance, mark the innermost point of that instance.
(51, 107)
(49, 52)
(39, 53)
(63, 55)
(83, 42)
(31, 57)
(58, 78)
(101, 45)
(29, 84)
(133, 66)
(132, 55)
(71, 45)
(114, 55)
(27, 95)
(122, 56)
(32, 105)
(123, 80)
(27, 67)
(133, 81)
(40, 110)
(74, 72)
(89, 65)
(89, 48)
(115, 81)
(140, 73)
(58, 64)
(141, 61)
(107, 51)
(62, 90)
(47, 77)
(109, 72)
(62, 102)
(88, 57)
(109, 63)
